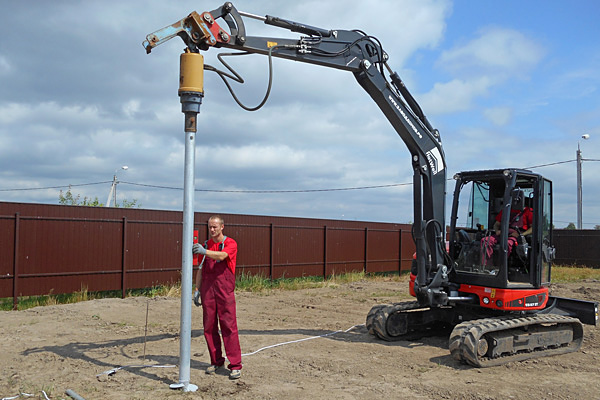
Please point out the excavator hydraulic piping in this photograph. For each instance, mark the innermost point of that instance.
(253, 16)
(297, 26)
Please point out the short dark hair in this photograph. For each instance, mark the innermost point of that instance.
(221, 220)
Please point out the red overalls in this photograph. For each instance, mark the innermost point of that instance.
(521, 220)
(217, 292)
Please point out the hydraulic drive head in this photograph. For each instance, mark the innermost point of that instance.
(191, 73)
(191, 87)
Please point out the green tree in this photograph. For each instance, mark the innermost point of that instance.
(571, 226)
(128, 204)
(68, 199)
(597, 227)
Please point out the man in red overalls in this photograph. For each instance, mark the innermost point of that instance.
(520, 223)
(215, 287)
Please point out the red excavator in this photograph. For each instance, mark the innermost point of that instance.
(485, 280)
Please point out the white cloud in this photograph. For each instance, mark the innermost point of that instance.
(4, 65)
(499, 115)
(478, 66)
(131, 108)
(454, 96)
(46, 112)
(11, 112)
(254, 156)
(496, 50)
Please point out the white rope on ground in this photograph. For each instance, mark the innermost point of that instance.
(17, 396)
(112, 371)
(26, 395)
(301, 340)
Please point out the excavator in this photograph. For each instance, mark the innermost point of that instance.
(484, 279)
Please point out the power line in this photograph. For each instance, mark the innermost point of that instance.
(54, 187)
(213, 190)
(272, 191)
(550, 164)
(560, 162)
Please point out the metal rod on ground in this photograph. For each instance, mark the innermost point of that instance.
(146, 329)
(190, 94)
(74, 395)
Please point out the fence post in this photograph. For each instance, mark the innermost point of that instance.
(271, 233)
(399, 251)
(366, 245)
(324, 252)
(16, 263)
(124, 259)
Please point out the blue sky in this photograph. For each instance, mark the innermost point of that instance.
(508, 84)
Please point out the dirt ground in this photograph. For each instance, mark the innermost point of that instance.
(55, 348)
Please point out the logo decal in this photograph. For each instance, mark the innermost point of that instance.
(408, 121)
(435, 160)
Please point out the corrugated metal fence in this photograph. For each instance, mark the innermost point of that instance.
(62, 249)
(577, 247)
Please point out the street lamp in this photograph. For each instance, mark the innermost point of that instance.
(113, 188)
(579, 190)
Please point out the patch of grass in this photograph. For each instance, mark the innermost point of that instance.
(51, 299)
(170, 290)
(257, 283)
(564, 274)
(26, 302)
(260, 284)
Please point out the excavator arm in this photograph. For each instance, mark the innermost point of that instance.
(364, 57)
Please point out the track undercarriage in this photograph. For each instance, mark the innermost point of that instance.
(480, 342)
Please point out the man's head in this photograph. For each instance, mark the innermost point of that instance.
(215, 228)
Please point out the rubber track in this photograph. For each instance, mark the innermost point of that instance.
(465, 338)
(378, 316)
(371, 317)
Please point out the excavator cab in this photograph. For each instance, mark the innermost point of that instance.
(517, 255)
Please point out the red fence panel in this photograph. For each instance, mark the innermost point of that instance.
(7, 252)
(345, 250)
(384, 249)
(298, 251)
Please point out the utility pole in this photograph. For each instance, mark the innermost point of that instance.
(579, 190)
(579, 184)
(112, 195)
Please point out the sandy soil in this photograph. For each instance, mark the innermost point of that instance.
(56, 348)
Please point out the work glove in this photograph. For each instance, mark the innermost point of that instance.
(197, 298)
(197, 248)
